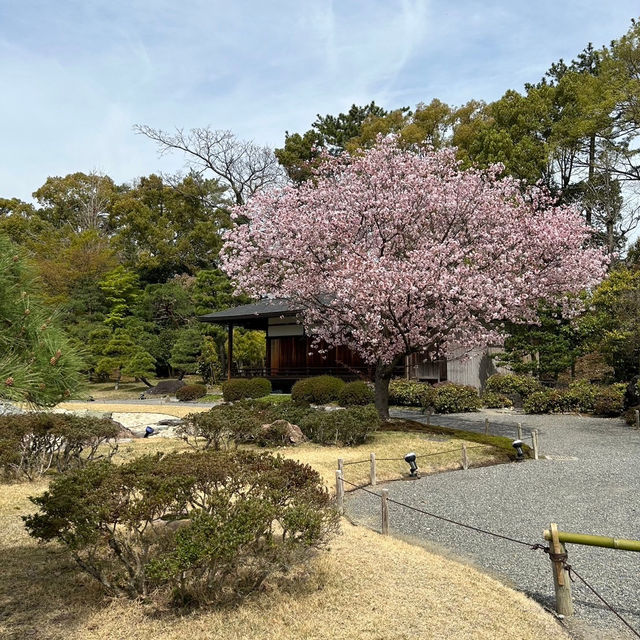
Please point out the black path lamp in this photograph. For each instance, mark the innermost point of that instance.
(410, 459)
(517, 445)
(149, 431)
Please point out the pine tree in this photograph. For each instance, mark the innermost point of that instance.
(37, 362)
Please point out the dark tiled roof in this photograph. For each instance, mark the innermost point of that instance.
(257, 310)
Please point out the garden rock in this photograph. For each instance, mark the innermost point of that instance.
(292, 434)
(165, 388)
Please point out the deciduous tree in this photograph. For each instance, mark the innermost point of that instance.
(394, 252)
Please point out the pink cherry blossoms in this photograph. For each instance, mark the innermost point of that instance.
(395, 252)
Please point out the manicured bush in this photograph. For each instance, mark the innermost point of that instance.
(201, 526)
(346, 427)
(220, 426)
(191, 392)
(609, 401)
(241, 388)
(454, 398)
(630, 415)
(543, 402)
(317, 390)
(493, 400)
(259, 387)
(580, 396)
(409, 393)
(33, 443)
(510, 383)
(357, 393)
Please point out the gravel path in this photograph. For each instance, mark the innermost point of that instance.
(588, 483)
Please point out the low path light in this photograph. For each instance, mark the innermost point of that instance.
(410, 459)
(149, 431)
(517, 445)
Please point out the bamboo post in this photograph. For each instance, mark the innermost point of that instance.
(339, 492)
(372, 472)
(486, 426)
(519, 430)
(465, 459)
(561, 581)
(637, 414)
(428, 417)
(534, 438)
(595, 541)
(341, 466)
(385, 512)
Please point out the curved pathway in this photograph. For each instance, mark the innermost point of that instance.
(587, 480)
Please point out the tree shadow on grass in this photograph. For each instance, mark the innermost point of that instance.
(43, 595)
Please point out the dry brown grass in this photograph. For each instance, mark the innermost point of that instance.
(168, 408)
(366, 586)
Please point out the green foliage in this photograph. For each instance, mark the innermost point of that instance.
(609, 401)
(454, 398)
(202, 526)
(542, 401)
(249, 349)
(37, 361)
(409, 393)
(317, 390)
(33, 443)
(220, 426)
(494, 400)
(191, 392)
(509, 383)
(121, 354)
(186, 351)
(356, 393)
(121, 290)
(241, 388)
(344, 427)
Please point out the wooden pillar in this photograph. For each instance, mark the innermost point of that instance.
(339, 492)
(267, 363)
(561, 580)
(373, 480)
(385, 512)
(229, 351)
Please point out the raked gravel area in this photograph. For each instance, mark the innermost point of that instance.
(587, 481)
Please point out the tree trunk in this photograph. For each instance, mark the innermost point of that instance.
(118, 379)
(382, 378)
(146, 382)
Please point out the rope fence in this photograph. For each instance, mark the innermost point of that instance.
(563, 572)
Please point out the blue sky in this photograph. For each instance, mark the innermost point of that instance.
(77, 74)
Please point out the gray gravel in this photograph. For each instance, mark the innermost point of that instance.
(588, 483)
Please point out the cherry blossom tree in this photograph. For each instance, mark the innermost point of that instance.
(396, 252)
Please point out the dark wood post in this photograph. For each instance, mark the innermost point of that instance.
(267, 364)
(229, 351)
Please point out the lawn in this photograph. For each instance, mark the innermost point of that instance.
(365, 586)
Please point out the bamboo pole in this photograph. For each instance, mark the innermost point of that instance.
(534, 438)
(561, 581)
(595, 541)
(339, 492)
(372, 471)
(465, 459)
(519, 430)
(385, 512)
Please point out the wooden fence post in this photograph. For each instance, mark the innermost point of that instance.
(385, 512)
(339, 492)
(534, 440)
(465, 459)
(637, 414)
(519, 430)
(372, 471)
(561, 581)
(486, 426)
(341, 465)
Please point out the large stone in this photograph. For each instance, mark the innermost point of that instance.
(281, 429)
(165, 388)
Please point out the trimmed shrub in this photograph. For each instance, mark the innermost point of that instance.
(543, 401)
(191, 392)
(33, 443)
(241, 388)
(317, 390)
(259, 387)
(409, 393)
(630, 415)
(357, 393)
(609, 401)
(346, 427)
(201, 526)
(493, 400)
(220, 426)
(510, 383)
(580, 396)
(454, 398)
